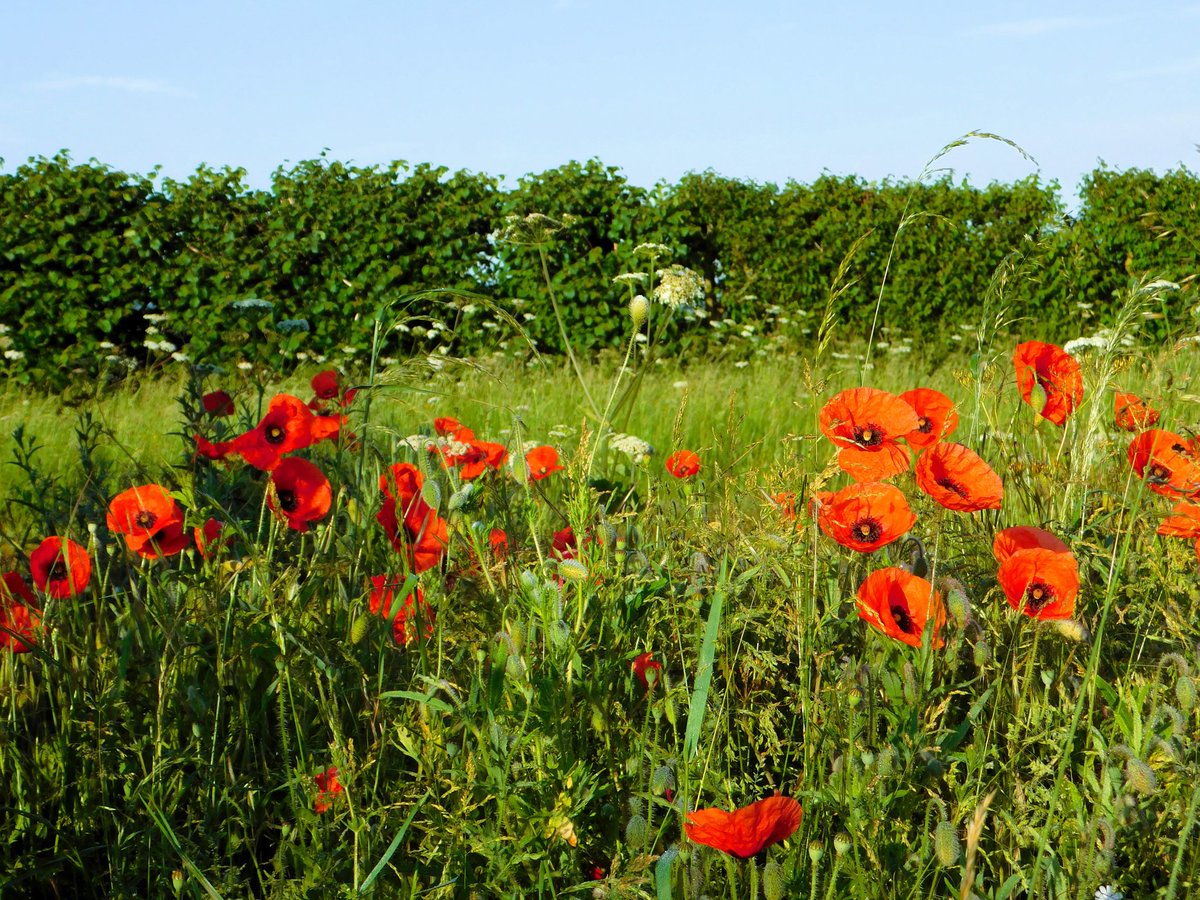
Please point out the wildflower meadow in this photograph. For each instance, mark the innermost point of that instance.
(832, 621)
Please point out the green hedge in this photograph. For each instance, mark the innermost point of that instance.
(86, 252)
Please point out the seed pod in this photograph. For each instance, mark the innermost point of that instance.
(842, 843)
(815, 851)
(945, 843)
(639, 307)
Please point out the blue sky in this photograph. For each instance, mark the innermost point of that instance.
(757, 90)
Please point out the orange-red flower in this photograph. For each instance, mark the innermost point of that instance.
(300, 492)
(445, 425)
(498, 540)
(327, 386)
(212, 450)
(19, 614)
(747, 831)
(542, 461)
(901, 605)
(412, 619)
(217, 403)
(287, 426)
(328, 787)
(1131, 412)
(785, 502)
(865, 517)
(150, 520)
(1025, 537)
(1056, 372)
(866, 424)
(60, 567)
(475, 457)
(936, 416)
(207, 537)
(417, 530)
(683, 464)
(1163, 460)
(958, 479)
(1041, 583)
(1183, 522)
(647, 669)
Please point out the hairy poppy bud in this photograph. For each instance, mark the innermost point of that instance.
(572, 570)
(639, 306)
(1139, 777)
(662, 780)
(635, 832)
(772, 881)
(1185, 692)
(910, 683)
(359, 629)
(982, 654)
(885, 761)
(1071, 629)
(945, 843)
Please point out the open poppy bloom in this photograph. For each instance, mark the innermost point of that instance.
(542, 461)
(217, 403)
(1131, 413)
(1041, 583)
(287, 426)
(150, 520)
(411, 619)
(19, 614)
(328, 787)
(411, 524)
(747, 831)
(476, 457)
(958, 479)
(1056, 372)
(1183, 522)
(865, 517)
(1025, 537)
(1163, 460)
(936, 416)
(327, 387)
(901, 605)
(866, 424)
(447, 425)
(300, 492)
(60, 567)
(683, 464)
(647, 669)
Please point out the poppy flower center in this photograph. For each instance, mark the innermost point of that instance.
(287, 500)
(869, 435)
(867, 530)
(1158, 473)
(274, 434)
(1037, 595)
(145, 519)
(903, 620)
(924, 425)
(952, 486)
(58, 572)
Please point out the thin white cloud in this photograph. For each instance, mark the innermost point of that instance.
(1042, 25)
(109, 82)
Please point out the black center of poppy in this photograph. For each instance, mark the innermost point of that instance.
(1182, 448)
(287, 500)
(58, 571)
(274, 434)
(869, 435)
(145, 519)
(1158, 473)
(867, 530)
(903, 620)
(1037, 595)
(952, 486)
(924, 425)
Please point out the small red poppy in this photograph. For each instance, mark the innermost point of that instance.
(301, 492)
(210, 450)
(1025, 537)
(1163, 460)
(785, 502)
(1131, 413)
(217, 403)
(865, 517)
(647, 669)
(412, 619)
(866, 424)
(207, 538)
(19, 614)
(418, 530)
(498, 540)
(563, 544)
(936, 416)
(1056, 372)
(683, 464)
(150, 520)
(327, 386)
(1041, 583)
(958, 479)
(445, 425)
(901, 605)
(287, 426)
(478, 457)
(542, 461)
(747, 831)
(328, 787)
(60, 567)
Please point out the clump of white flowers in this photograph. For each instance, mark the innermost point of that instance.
(678, 286)
(1102, 340)
(631, 445)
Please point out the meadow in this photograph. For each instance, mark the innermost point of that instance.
(524, 626)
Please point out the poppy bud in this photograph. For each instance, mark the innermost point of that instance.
(1071, 629)
(572, 570)
(1167, 711)
(910, 683)
(635, 832)
(639, 307)
(1139, 777)
(841, 843)
(982, 654)
(1185, 692)
(959, 607)
(945, 843)
(885, 761)
(662, 780)
(359, 629)
(772, 881)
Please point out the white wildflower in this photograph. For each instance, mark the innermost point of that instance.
(741, 364)
(179, 357)
(151, 329)
(155, 317)
(632, 446)
(252, 303)
(349, 350)
(679, 385)
(14, 355)
(1108, 892)
(400, 326)
(631, 278)
(4, 329)
(651, 249)
(388, 361)
(245, 366)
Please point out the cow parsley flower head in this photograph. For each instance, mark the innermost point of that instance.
(678, 286)
(631, 445)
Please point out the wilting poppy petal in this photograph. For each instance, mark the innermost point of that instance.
(1131, 413)
(328, 787)
(958, 479)
(1041, 583)
(60, 567)
(747, 831)
(1162, 459)
(865, 517)
(1056, 372)
(900, 604)
(301, 492)
(936, 416)
(1025, 537)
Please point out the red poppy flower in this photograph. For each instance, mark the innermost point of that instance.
(412, 619)
(211, 450)
(1056, 372)
(865, 517)
(1025, 537)
(683, 464)
(645, 664)
(327, 386)
(563, 545)
(301, 492)
(328, 787)
(866, 424)
(217, 403)
(418, 530)
(150, 520)
(1183, 522)
(958, 479)
(60, 567)
(498, 540)
(1131, 413)
(901, 605)
(287, 426)
(445, 425)
(1162, 459)
(936, 416)
(207, 538)
(785, 502)
(1041, 583)
(477, 458)
(19, 615)
(747, 831)
(542, 461)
